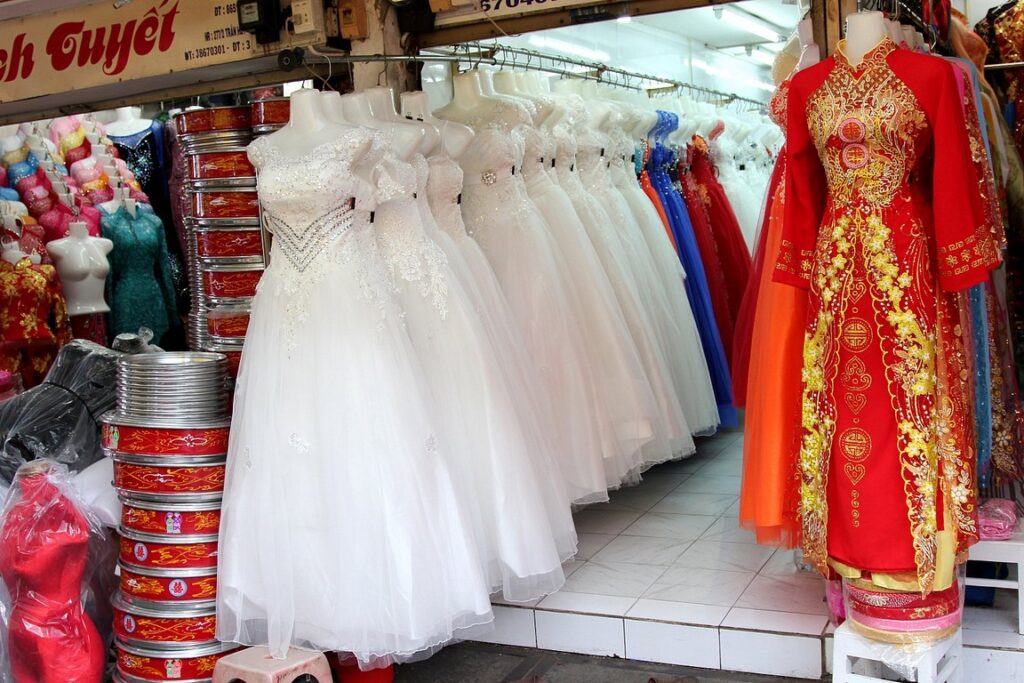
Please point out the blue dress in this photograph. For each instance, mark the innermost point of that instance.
(661, 158)
(139, 289)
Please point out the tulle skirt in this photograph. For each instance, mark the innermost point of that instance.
(769, 493)
(341, 528)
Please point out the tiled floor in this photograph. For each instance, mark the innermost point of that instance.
(665, 574)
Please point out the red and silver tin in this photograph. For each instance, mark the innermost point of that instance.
(185, 665)
(233, 353)
(224, 167)
(163, 629)
(270, 114)
(224, 205)
(227, 322)
(150, 551)
(230, 284)
(215, 243)
(165, 588)
(168, 478)
(214, 120)
(124, 435)
(170, 518)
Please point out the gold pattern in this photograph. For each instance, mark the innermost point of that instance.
(855, 444)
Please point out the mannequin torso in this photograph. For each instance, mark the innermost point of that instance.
(469, 104)
(128, 122)
(82, 267)
(864, 30)
(455, 137)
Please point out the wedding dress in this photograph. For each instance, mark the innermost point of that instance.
(499, 215)
(697, 394)
(499, 466)
(341, 529)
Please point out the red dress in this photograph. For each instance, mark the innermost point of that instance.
(44, 548)
(883, 224)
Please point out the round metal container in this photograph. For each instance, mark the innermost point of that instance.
(237, 242)
(148, 551)
(225, 203)
(124, 435)
(220, 168)
(226, 284)
(227, 321)
(213, 142)
(164, 629)
(185, 665)
(168, 478)
(234, 356)
(170, 519)
(161, 588)
(270, 114)
(213, 120)
(172, 361)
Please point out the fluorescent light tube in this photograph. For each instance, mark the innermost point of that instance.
(544, 42)
(750, 25)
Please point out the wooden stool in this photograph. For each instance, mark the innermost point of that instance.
(938, 662)
(255, 665)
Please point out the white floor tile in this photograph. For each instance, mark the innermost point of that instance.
(781, 622)
(642, 550)
(678, 612)
(638, 499)
(734, 509)
(582, 633)
(665, 525)
(993, 639)
(692, 503)
(571, 566)
(771, 653)
(499, 599)
(586, 603)
(588, 544)
(785, 595)
(708, 483)
(744, 557)
(722, 466)
(512, 626)
(655, 481)
(599, 520)
(702, 586)
(651, 641)
(613, 578)
(727, 529)
(782, 565)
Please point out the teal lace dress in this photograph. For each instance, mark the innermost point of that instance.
(140, 290)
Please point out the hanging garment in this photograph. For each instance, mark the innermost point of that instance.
(140, 288)
(367, 549)
(33, 319)
(886, 407)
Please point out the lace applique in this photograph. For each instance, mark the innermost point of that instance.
(412, 256)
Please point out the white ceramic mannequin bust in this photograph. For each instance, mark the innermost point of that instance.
(864, 30)
(546, 112)
(810, 53)
(469, 102)
(308, 127)
(455, 137)
(331, 102)
(129, 122)
(82, 267)
(405, 140)
(907, 33)
(382, 104)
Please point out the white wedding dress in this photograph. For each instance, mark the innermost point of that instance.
(500, 217)
(520, 518)
(341, 528)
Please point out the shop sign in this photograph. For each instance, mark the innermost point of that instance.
(96, 44)
(494, 9)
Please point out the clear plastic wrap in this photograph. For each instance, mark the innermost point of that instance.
(59, 419)
(997, 519)
(55, 559)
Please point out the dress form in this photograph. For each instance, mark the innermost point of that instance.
(548, 113)
(469, 102)
(82, 267)
(909, 37)
(810, 53)
(382, 105)
(308, 126)
(455, 137)
(330, 100)
(405, 140)
(129, 122)
(864, 30)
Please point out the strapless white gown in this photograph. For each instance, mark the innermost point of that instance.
(341, 526)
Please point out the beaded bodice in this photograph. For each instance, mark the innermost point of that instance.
(444, 193)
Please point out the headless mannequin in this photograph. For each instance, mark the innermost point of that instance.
(308, 127)
(405, 140)
(909, 37)
(469, 103)
(82, 266)
(548, 113)
(895, 31)
(455, 137)
(129, 122)
(810, 54)
(12, 253)
(864, 30)
(382, 105)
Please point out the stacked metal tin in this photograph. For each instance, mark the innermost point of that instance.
(227, 247)
(168, 438)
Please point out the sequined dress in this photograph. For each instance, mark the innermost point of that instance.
(341, 529)
(883, 223)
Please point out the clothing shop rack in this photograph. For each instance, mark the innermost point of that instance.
(903, 12)
(517, 57)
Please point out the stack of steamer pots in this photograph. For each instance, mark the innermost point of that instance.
(227, 246)
(169, 439)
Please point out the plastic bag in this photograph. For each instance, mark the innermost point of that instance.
(59, 418)
(997, 519)
(54, 559)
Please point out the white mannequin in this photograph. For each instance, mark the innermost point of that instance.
(405, 140)
(382, 105)
(810, 53)
(921, 42)
(469, 102)
(864, 31)
(129, 122)
(82, 266)
(455, 137)
(12, 253)
(895, 31)
(909, 36)
(330, 100)
(308, 127)
(546, 113)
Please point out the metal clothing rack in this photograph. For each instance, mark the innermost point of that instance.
(517, 57)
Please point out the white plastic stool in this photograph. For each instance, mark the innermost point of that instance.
(939, 662)
(255, 665)
(1010, 551)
